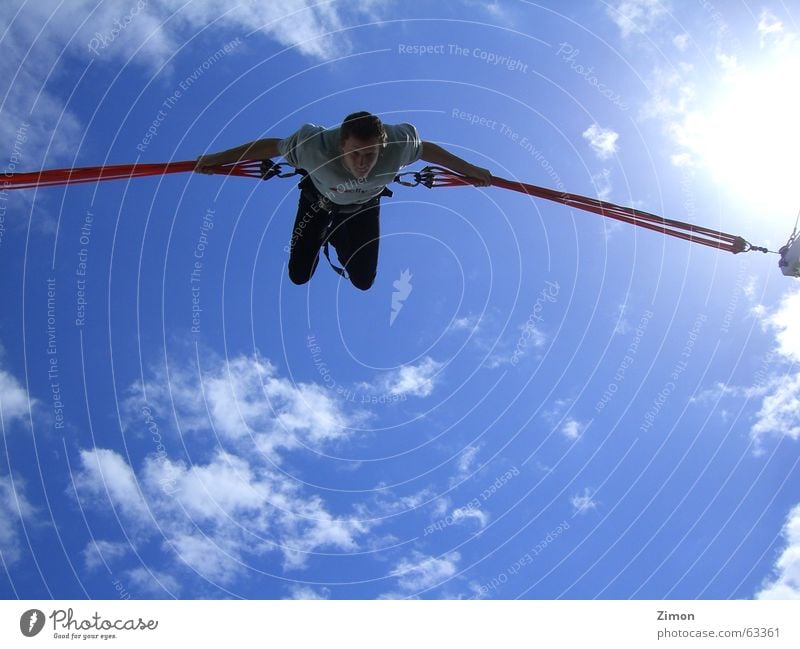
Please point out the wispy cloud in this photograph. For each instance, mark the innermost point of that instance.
(603, 188)
(14, 510)
(15, 402)
(420, 572)
(681, 41)
(471, 323)
(306, 592)
(145, 581)
(637, 16)
(582, 503)
(98, 553)
(784, 583)
(467, 459)
(770, 28)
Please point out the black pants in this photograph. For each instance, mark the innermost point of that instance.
(353, 232)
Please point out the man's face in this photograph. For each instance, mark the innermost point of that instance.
(359, 156)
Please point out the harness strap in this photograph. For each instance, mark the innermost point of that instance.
(340, 271)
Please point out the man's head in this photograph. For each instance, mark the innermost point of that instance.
(362, 136)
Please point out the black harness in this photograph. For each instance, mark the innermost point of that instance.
(270, 169)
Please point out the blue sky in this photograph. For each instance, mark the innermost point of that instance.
(555, 407)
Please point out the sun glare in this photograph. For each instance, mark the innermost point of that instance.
(750, 137)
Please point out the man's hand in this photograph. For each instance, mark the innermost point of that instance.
(204, 162)
(255, 150)
(478, 176)
(435, 154)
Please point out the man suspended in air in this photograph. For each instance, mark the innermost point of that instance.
(348, 168)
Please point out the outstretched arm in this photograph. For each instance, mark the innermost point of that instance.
(256, 150)
(435, 154)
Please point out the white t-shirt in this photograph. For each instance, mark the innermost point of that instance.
(316, 150)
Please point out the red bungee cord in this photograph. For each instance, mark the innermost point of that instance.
(51, 177)
(429, 176)
(440, 177)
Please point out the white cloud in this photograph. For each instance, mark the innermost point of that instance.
(421, 572)
(219, 513)
(215, 515)
(720, 390)
(582, 503)
(780, 411)
(216, 557)
(602, 140)
(42, 38)
(306, 592)
(681, 41)
(465, 465)
(467, 459)
(416, 380)
(14, 399)
(14, 510)
(779, 414)
(572, 428)
(152, 582)
(785, 581)
(245, 401)
(637, 15)
(105, 476)
(99, 553)
(769, 27)
(469, 323)
(785, 321)
(474, 513)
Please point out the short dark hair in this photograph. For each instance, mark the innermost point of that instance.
(364, 126)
